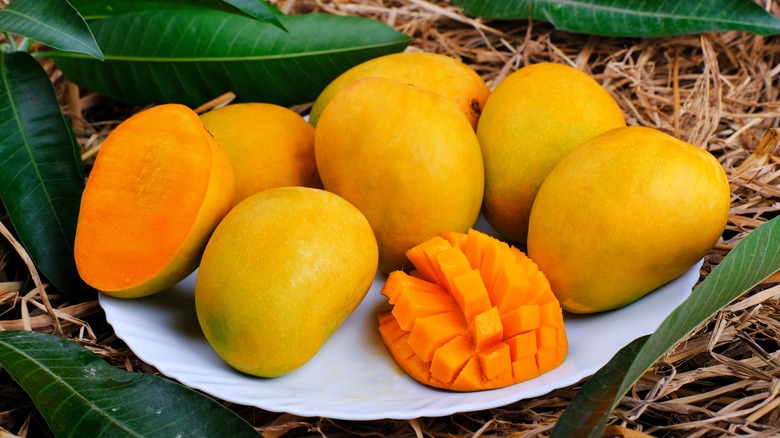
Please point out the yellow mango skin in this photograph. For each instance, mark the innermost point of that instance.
(533, 118)
(268, 146)
(435, 72)
(280, 274)
(406, 157)
(623, 214)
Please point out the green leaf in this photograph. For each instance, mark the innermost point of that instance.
(259, 9)
(752, 260)
(590, 421)
(41, 173)
(195, 55)
(637, 18)
(99, 9)
(80, 395)
(52, 22)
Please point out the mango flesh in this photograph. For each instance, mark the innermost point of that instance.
(159, 186)
(533, 118)
(268, 146)
(280, 274)
(623, 214)
(406, 157)
(441, 74)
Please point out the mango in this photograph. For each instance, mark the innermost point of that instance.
(477, 314)
(405, 157)
(268, 146)
(441, 74)
(533, 118)
(624, 213)
(159, 186)
(280, 274)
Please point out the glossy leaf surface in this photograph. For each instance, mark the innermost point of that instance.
(80, 395)
(41, 173)
(638, 18)
(52, 22)
(97, 9)
(195, 55)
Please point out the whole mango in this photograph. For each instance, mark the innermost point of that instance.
(406, 157)
(533, 118)
(626, 212)
(441, 74)
(280, 274)
(268, 146)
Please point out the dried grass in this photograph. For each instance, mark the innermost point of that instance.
(718, 91)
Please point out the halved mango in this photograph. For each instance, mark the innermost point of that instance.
(159, 186)
(474, 314)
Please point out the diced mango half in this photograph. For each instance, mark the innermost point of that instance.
(473, 314)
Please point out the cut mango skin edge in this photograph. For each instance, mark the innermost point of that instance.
(473, 314)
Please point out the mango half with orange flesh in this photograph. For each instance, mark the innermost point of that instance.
(158, 188)
(474, 314)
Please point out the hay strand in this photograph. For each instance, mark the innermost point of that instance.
(39, 287)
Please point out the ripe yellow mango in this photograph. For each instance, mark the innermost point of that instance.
(431, 71)
(268, 146)
(533, 118)
(626, 212)
(280, 274)
(406, 157)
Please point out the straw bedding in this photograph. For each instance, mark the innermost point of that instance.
(717, 91)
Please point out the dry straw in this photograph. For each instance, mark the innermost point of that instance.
(719, 91)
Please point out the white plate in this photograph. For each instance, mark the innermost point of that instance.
(353, 377)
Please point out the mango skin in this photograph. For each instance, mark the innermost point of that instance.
(623, 214)
(435, 72)
(532, 119)
(281, 273)
(268, 146)
(406, 157)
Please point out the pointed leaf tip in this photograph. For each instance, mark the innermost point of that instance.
(52, 22)
(259, 9)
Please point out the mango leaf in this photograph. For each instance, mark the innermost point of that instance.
(80, 395)
(98, 9)
(752, 260)
(259, 9)
(41, 173)
(194, 55)
(52, 22)
(632, 18)
(93, 10)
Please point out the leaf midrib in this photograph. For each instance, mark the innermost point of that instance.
(631, 12)
(122, 58)
(48, 27)
(57, 378)
(28, 149)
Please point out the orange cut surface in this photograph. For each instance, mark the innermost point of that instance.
(473, 314)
